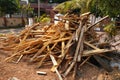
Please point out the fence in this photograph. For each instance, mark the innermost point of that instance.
(12, 22)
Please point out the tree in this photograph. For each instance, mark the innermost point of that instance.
(105, 7)
(68, 6)
(9, 6)
(97, 7)
(26, 9)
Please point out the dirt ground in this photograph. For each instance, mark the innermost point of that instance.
(25, 71)
(22, 70)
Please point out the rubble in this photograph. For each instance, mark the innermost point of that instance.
(66, 46)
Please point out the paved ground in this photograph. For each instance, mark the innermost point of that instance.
(11, 30)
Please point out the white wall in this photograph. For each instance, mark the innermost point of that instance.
(25, 0)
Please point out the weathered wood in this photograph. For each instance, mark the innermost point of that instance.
(59, 40)
(74, 72)
(76, 52)
(19, 58)
(78, 31)
(55, 64)
(65, 52)
(93, 52)
(40, 63)
(41, 73)
(41, 50)
(53, 60)
(84, 61)
(62, 45)
(97, 22)
(79, 44)
(92, 46)
(104, 63)
(59, 76)
(80, 50)
(29, 29)
(62, 48)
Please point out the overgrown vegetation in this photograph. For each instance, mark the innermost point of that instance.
(111, 29)
(105, 7)
(43, 19)
(97, 7)
(26, 9)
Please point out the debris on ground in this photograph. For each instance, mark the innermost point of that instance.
(67, 46)
(13, 78)
(41, 73)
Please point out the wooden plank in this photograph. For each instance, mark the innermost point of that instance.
(62, 48)
(97, 22)
(55, 64)
(65, 52)
(74, 72)
(98, 51)
(19, 58)
(76, 52)
(41, 73)
(103, 62)
(60, 40)
(92, 46)
(45, 45)
(80, 50)
(41, 61)
(53, 60)
(84, 61)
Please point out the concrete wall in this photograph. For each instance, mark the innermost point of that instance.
(1, 22)
(11, 22)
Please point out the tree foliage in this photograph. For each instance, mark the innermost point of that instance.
(97, 7)
(73, 4)
(9, 6)
(26, 9)
(105, 7)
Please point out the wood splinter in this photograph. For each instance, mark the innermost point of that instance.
(41, 73)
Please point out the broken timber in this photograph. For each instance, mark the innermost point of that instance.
(58, 44)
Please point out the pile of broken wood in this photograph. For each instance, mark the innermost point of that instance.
(67, 45)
